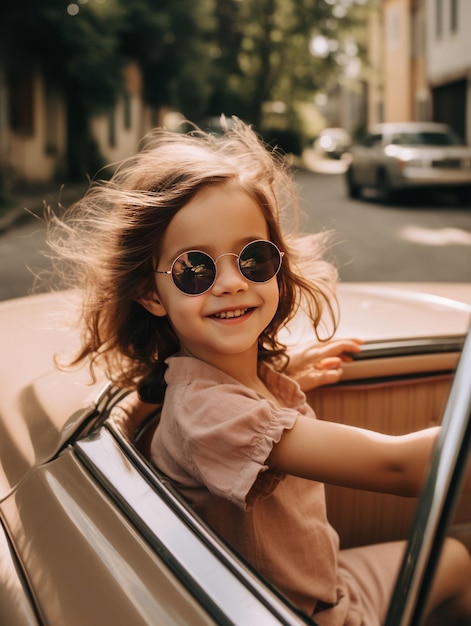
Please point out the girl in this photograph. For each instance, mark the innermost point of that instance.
(187, 281)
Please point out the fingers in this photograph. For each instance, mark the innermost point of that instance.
(332, 362)
(317, 378)
(340, 347)
(315, 364)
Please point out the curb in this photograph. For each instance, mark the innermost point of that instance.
(11, 218)
(25, 207)
(19, 214)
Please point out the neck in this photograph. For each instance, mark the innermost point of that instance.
(242, 367)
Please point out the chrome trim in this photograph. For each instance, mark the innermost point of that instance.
(410, 347)
(170, 494)
(437, 501)
(180, 542)
(87, 417)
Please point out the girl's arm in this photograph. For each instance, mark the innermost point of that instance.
(355, 457)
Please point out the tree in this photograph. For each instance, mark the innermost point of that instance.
(201, 58)
(76, 49)
(273, 40)
(171, 41)
(81, 49)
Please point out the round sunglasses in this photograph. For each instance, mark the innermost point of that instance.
(194, 272)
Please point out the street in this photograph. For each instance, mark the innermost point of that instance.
(415, 241)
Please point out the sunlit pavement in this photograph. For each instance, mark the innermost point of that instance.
(436, 237)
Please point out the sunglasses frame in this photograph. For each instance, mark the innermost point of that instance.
(255, 282)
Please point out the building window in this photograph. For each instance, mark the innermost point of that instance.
(454, 15)
(21, 101)
(127, 110)
(422, 105)
(438, 18)
(52, 115)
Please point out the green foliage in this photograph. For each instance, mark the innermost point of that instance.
(288, 140)
(172, 43)
(79, 52)
(275, 60)
(90, 48)
(76, 47)
(202, 58)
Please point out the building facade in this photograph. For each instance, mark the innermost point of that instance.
(396, 57)
(449, 62)
(420, 63)
(33, 126)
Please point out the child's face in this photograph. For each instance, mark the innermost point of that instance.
(226, 320)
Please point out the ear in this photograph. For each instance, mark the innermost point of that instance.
(153, 305)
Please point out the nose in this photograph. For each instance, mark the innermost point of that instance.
(228, 276)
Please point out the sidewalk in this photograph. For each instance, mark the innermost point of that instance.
(21, 205)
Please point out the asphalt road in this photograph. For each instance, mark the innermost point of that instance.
(428, 239)
(422, 239)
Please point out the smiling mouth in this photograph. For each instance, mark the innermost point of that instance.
(225, 315)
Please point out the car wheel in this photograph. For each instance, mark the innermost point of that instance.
(353, 189)
(383, 185)
(465, 196)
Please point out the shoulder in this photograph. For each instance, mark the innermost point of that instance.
(220, 431)
(203, 402)
(286, 389)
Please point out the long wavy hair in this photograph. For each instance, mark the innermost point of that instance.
(108, 245)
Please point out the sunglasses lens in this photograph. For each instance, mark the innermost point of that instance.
(260, 261)
(193, 272)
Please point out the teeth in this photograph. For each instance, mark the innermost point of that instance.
(229, 314)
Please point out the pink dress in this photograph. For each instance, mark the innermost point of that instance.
(213, 441)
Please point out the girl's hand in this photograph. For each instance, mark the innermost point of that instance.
(316, 364)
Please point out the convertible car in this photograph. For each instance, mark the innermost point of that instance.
(91, 534)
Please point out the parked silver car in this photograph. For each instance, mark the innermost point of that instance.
(396, 157)
(333, 143)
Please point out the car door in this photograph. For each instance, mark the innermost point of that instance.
(444, 507)
(368, 153)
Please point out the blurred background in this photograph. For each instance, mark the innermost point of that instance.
(81, 83)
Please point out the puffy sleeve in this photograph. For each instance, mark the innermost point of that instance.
(225, 433)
